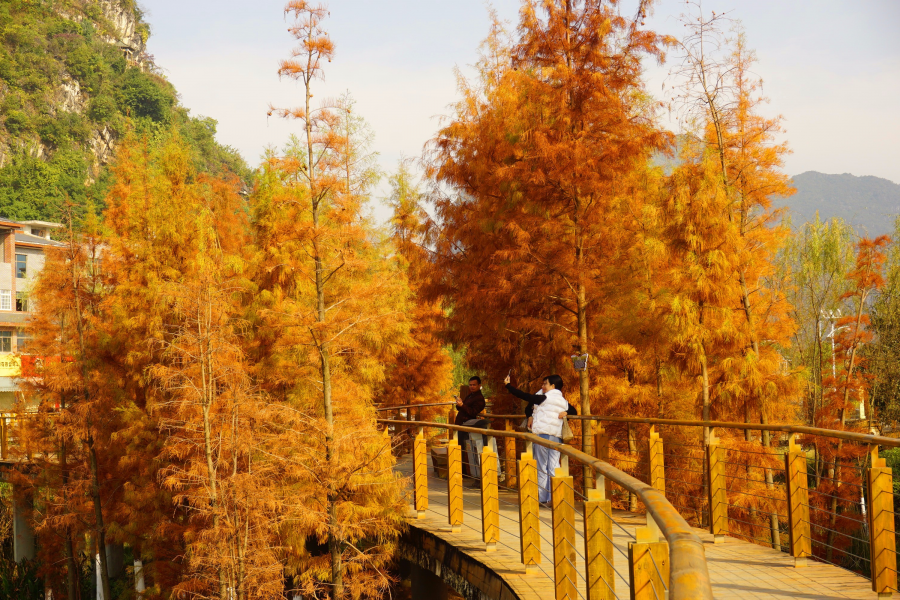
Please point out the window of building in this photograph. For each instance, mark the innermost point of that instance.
(5, 299)
(37, 232)
(21, 265)
(22, 340)
(21, 302)
(5, 341)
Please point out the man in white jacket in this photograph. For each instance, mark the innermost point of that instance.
(549, 409)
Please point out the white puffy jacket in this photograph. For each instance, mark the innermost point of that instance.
(546, 414)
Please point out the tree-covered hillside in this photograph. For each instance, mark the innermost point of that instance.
(869, 204)
(74, 79)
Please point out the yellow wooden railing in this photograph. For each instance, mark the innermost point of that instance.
(877, 483)
(665, 560)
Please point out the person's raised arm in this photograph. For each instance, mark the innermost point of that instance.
(531, 398)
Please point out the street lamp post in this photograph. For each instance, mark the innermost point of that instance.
(832, 316)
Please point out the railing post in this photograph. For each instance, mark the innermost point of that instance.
(454, 485)
(490, 505)
(450, 418)
(410, 441)
(882, 541)
(420, 473)
(648, 565)
(598, 546)
(601, 451)
(562, 486)
(657, 461)
(509, 456)
(718, 498)
(798, 502)
(529, 523)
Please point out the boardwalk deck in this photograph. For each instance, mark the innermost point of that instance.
(738, 569)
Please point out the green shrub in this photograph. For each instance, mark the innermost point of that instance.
(102, 109)
(52, 132)
(141, 96)
(16, 122)
(20, 581)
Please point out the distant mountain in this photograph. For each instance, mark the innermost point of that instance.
(870, 204)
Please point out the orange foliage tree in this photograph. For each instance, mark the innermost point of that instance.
(330, 314)
(845, 390)
(730, 314)
(423, 372)
(68, 437)
(176, 252)
(536, 154)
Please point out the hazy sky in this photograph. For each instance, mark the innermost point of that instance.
(831, 68)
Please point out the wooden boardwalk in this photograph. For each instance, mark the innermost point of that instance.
(739, 570)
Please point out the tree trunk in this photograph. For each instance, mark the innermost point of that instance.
(213, 488)
(835, 507)
(72, 584)
(334, 542)
(632, 449)
(100, 527)
(583, 380)
(704, 376)
(774, 528)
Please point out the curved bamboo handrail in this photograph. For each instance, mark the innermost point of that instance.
(689, 578)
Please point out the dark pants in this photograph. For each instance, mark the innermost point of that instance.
(462, 437)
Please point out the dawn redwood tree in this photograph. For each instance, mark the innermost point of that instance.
(66, 382)
(330, 317)
(537, 153)
(851, 384)
(177, 243)
(423, 372)
(742, 168)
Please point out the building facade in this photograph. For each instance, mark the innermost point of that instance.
(23, 244)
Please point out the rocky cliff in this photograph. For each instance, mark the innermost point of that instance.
(75, 76)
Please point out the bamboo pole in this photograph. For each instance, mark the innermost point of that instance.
(718, 498)
(454, 485)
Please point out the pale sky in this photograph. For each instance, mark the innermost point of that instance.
(831, 68)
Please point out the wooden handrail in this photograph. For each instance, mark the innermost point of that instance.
(381, 408)
(689, 572)
(852, 436)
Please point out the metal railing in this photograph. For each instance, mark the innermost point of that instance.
(684, 575)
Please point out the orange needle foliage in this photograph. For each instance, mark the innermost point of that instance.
(330, 311)
(70, 438)
(535, 156)
(844, 391)
(423, 372)
(557, 237)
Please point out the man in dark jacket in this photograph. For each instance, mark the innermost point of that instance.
(473, 404)
(466, 410)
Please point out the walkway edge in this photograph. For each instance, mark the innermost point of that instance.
(463, 572)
